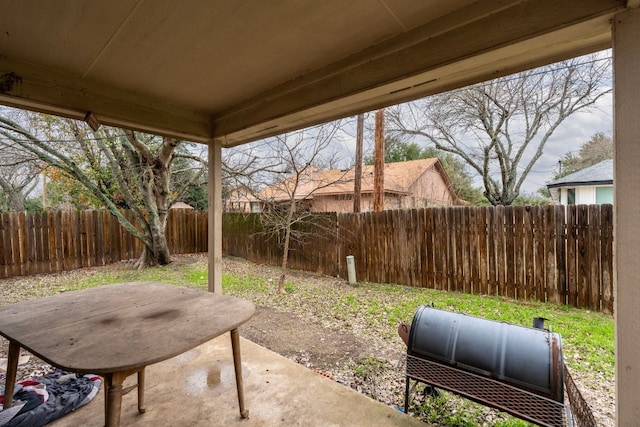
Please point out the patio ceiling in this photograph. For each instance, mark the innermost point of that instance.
(236, 71)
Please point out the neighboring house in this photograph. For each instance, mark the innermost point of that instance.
(412, 184)
(239, 200)
(588, 186)
(180, 205)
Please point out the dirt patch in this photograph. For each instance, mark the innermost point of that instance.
(305, 341)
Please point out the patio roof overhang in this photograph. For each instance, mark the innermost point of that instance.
(579, 184)
(244, 70)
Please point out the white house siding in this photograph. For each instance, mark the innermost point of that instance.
(585, 195)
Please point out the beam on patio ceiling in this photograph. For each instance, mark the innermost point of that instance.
(31, 87)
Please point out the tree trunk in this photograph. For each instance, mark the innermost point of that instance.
(155, 254)
(161, 249)
(285, 251)
(14, 197)
(156, 247)
(16, 202)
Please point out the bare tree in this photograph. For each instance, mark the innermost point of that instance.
(121, 169)
(284, 183)
(19, 176)
(500, 128)
(19, 173)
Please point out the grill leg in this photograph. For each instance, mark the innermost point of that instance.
(406, 398)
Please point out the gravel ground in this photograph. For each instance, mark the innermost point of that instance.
(344, 349)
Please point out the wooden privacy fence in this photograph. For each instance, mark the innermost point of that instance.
(548, 253)
(44, 242)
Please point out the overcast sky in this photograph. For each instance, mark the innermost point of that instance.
(568, 137)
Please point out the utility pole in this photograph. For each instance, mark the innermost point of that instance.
(357, 184)
(378, 166)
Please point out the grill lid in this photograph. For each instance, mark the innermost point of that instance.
(525, 357)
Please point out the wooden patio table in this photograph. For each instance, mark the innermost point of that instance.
(117, 330)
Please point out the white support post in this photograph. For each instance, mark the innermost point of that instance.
(626, 68)
(215, 217)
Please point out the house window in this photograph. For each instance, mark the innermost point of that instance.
(571, 196)
(255, 207)
(604, 195)
(343, 197)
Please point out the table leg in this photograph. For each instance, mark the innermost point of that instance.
(113, 398)
(141, 408)
(12, 370)
(237, 364)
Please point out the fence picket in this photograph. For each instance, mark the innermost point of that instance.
(594, 239)
(21, 236)
(518, 254)
(582, 258)
(539, 278)
(43, 242)
(459, 257)
(448, 251)
(467, 248)
(571, 261)
(607, 258)
(511, 280)
(5, 245)
(55, 240)
(482, 254)
(439, 250)
(527, 254)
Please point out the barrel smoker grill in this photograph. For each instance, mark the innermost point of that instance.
(513, 368)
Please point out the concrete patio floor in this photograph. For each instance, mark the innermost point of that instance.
(198, 388)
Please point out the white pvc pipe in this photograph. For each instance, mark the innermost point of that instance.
(351, 269)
